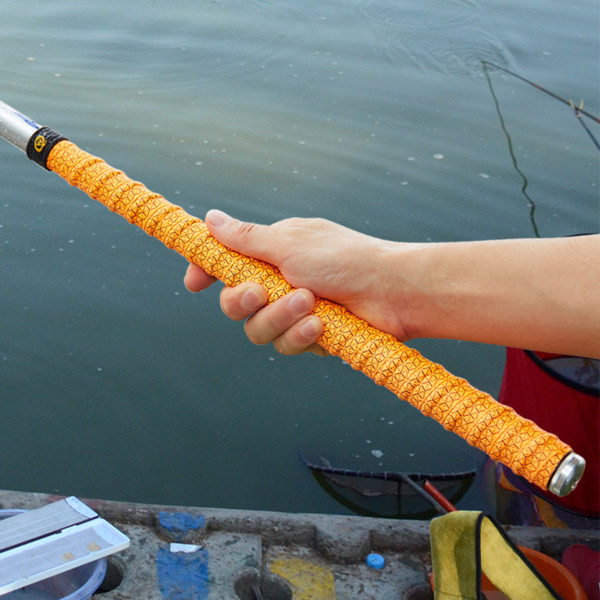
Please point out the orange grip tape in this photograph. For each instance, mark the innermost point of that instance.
(472, 414)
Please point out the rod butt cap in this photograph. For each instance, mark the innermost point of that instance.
(567, 475)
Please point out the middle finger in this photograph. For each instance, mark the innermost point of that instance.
(273, 320)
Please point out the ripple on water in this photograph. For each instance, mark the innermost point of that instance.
(450, 37)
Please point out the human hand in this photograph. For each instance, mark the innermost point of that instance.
(317, 257)
(480, 291)
(287, 322)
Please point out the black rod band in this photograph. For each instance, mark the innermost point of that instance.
(40, 144)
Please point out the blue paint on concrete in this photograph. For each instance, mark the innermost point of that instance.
(182, 576)
(180, 524)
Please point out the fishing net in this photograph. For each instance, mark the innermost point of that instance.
(388, 494)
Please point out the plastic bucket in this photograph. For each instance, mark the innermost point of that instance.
(76, 584)
(565, 584)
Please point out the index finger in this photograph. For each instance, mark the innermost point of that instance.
(196, 279)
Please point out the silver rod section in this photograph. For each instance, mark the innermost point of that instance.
(15, 127)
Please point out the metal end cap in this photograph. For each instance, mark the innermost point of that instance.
(567, 475)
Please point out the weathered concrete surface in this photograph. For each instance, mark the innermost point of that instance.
(287, 556)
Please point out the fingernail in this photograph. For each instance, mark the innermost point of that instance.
(217, 218)
(299, 304)
(311, 329)
(251, 301)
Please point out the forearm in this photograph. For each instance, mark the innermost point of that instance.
(541, 294)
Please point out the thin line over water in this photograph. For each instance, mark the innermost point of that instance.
(530, 202)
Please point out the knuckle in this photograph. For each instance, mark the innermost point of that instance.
(283, 347)
(257, 335)
(230, 303)
(244, 230)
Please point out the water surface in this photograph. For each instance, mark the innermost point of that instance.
(116, 382)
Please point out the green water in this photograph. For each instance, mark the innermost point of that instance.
(116, 382)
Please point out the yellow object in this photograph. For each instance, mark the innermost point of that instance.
(466, 543)
(472, 414)
(309, 580)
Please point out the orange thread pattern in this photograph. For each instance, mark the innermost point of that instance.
(474, 415)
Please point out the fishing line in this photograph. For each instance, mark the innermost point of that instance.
(530, 202)
(542, 89)
(578, 114)
(578, 110)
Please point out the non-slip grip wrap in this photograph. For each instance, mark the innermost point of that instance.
(472, 414)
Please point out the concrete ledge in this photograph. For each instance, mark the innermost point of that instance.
(285, 553)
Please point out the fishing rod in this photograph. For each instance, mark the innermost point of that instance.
(538, 456)
(578, 110)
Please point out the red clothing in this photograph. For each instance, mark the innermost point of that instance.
(562, 406)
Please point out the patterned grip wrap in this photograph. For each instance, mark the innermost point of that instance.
(474, 415)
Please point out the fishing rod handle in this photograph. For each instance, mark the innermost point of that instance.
(472, 414)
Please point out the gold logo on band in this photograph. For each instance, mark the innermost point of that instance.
(39, 143)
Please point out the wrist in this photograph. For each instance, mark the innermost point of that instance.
(405, 281)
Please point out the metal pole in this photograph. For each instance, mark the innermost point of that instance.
(15, 127)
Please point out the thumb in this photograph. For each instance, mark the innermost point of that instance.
(251, 239)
